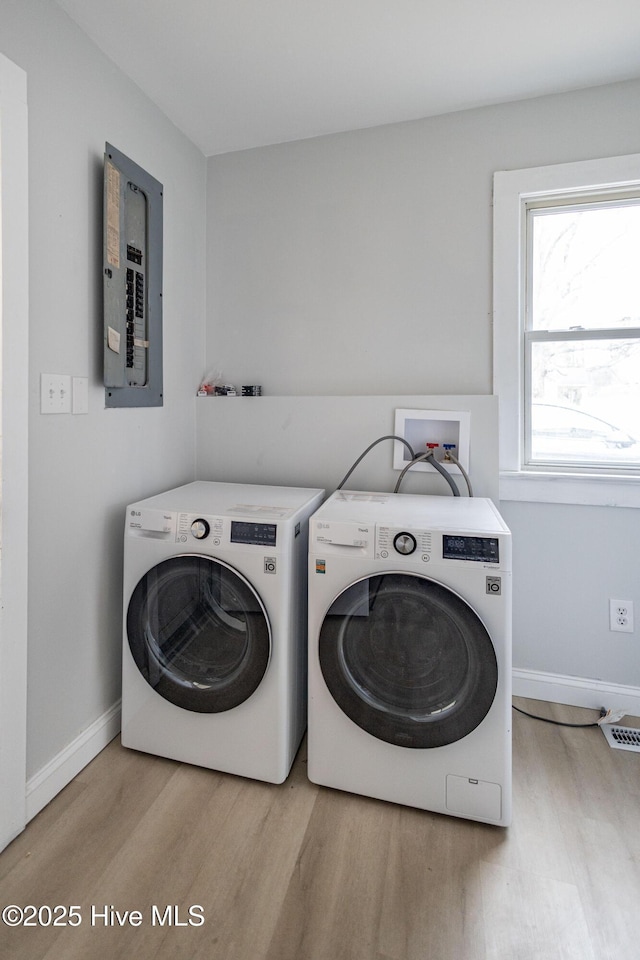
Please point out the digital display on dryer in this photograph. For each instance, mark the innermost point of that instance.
(260, 534)
(482, 549)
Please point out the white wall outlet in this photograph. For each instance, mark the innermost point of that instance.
(441, 427)
(55, 393)
(621, 616)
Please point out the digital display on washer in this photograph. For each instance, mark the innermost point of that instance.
(483, 549)
(261, 534)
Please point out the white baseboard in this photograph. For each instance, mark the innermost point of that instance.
(554, 688)
(55, 775)
(576, 691)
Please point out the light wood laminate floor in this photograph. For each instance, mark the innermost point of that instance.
(300, 872)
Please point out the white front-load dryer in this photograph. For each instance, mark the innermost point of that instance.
(215, 617)
(410, 652)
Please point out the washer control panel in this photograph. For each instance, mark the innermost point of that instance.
(404, 543)
(480, 549)
(397, 543)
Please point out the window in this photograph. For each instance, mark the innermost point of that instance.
(567, 331)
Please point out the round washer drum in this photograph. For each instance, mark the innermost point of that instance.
(199, 633)
(408, 660)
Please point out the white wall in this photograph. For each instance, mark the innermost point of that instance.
(361, 264)
(313, 442)
(567, 562)
(85, 469)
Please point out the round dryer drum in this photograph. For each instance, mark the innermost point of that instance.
(408, 660)
(199, 633)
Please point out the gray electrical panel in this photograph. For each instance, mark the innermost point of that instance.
(132, 283)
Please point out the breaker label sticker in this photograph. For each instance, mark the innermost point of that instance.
(113, 215)
(113, 340)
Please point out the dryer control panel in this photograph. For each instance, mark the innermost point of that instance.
(222, 530)
(191, 527)
(248, 531)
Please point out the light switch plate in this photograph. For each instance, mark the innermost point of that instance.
(55, 393)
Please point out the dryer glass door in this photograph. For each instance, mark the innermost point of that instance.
(408, 660)
(199, 633)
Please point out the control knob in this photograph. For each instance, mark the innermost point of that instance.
(405, 543)
(200, 529)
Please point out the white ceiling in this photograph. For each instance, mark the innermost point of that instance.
(233, 74)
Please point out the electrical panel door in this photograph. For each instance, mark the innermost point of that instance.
(132, 244)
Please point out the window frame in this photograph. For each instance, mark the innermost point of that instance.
(513, 191)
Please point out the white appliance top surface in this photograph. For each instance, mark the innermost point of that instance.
(246, 499)
(472, 514)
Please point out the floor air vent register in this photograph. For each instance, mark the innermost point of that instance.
(622, 738)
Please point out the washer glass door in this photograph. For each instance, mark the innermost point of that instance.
(408, 660)
(199, 633)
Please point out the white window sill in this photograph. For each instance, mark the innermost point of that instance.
(602, 491)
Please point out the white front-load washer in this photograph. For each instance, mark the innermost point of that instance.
(215, 617)
(410, 652)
